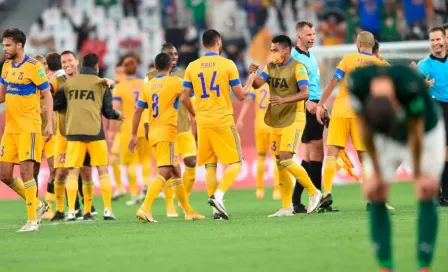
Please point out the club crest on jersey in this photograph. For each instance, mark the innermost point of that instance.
(41, 72)
(81, 94)
(278, 83)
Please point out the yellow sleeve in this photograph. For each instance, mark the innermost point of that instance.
(116, 93)
(38, 76)
(301, 75)
(142, 99)
(178, 88)
(341, 69)
(187, 83)
(265, 73)
(234, 75)
(54, 86)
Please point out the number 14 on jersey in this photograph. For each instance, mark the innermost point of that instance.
(212, 85)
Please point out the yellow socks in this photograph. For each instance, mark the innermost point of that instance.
(31, 199)
(260, 171)
(229, 176)
(188, 179)
(286, 186)
(87, 191)
(117, 176)
(106, 191)
(146, 172)
(300, 174)
(276, 177)
(18, 187)
(72, 191)
(169, 197)
(59, 191)
(211, 181)
(132, 179)
(153, 191)
(178, 187)
(329, 173)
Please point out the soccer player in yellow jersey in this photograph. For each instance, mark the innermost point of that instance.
(161, 97)
(211, 77)
(125, 99)
(262, 136)
(343, 124)
(22, 81)
(288, 87)
(185, 140)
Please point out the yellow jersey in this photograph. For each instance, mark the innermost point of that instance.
(127, 91)
(341, 106)
(211, 77)
(161, 97)
(261, 98)
(23, 83)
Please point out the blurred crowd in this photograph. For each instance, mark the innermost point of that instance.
(115, 28)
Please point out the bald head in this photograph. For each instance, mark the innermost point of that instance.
(365, 40)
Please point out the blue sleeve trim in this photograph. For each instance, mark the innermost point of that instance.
(251, 95)
(176, 103)
(2, 81)
(339, 74)
(191, 94)
(265, 76)
(187, 84)
(116, 98)
(43, 86)
(303, 83)
(235, 82)
(142, 104)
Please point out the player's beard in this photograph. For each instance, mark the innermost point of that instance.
(12, 56)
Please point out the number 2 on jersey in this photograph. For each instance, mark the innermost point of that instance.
(212, 87)
(155, 105)
(265, 93)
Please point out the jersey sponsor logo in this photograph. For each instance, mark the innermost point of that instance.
(278, 83)
(81, 94)
(303, 71)
(41, 72)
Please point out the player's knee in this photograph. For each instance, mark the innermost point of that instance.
(26, 173)
(190, 162)
(86, 172)
(427, 191)
(61, 173)
(316, 151)
(6, 177)
(285, 155)
(375, 193)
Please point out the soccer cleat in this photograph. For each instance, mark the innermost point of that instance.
(30, 226)
(171, 212)
(93, 211)
(217, 217)
(259, 193)
(58, 216)
(443, 202)
(389, 207)
(276, 195)
(314, 202)
(79, 215)
(88, 217)
(145, 217)
(326, 201)
(369, 206)
(212, 201)
(71, 216)
(193, 216)
(118, 194)
(109, 215)
(41, 209)
(48, 215)
(299, 209)
(133, 201)
(283, 212)
(327, 209)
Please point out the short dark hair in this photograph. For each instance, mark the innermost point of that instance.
(16, 35)
(376, 47)
(90, 60)
(68, 52)
(445, 26)
(437, 28)
(284, 40)
(302, 24)
(54, 61)
(162, 61)
(379, 114)
(167, 45)
(209, 37)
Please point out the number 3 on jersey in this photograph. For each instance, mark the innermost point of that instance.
(155, 105)
(212, 87)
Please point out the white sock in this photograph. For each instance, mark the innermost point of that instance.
(219, 195)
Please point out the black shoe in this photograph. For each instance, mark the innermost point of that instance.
(79, 215)
(443, 202)
(88, 216)
(58, 216)
(217, 216)
(299, 209)
(94, 212)
(327, 209)
(326, 201)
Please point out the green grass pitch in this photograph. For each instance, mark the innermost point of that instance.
(248, 242)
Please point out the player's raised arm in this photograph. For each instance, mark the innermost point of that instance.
(261, 79)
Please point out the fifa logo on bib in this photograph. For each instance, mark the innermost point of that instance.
(81, 94)
(278, 83)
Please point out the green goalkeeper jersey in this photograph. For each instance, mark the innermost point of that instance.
(410, 90)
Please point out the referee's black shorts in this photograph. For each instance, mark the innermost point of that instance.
(313, 130)
(444, 106)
